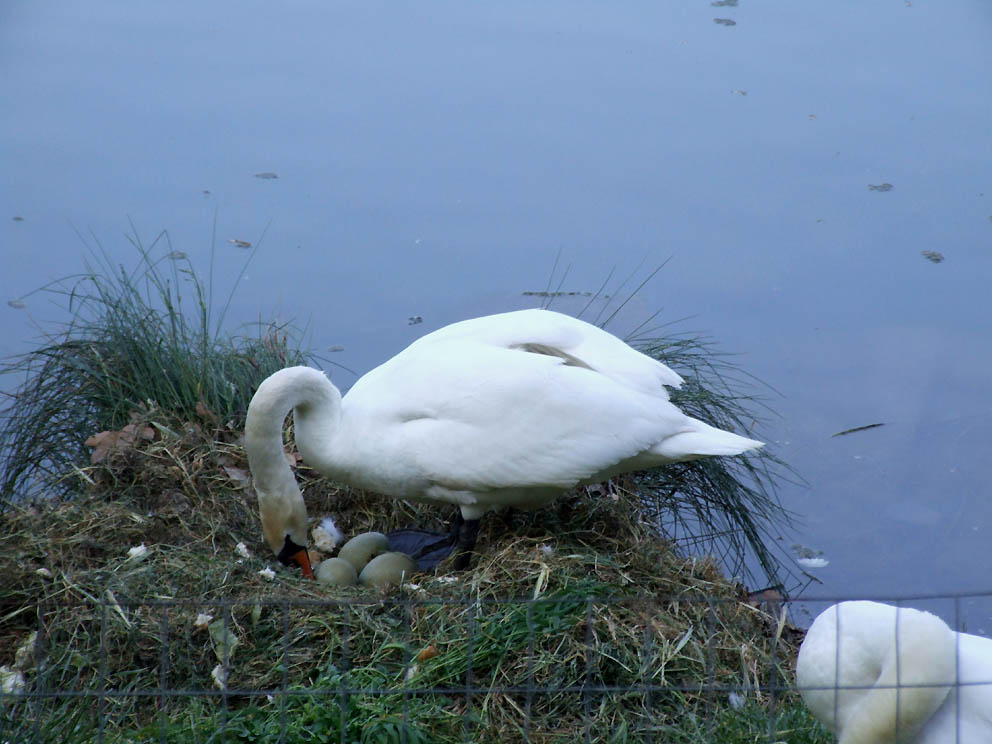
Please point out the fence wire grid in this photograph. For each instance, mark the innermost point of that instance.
(408, 669)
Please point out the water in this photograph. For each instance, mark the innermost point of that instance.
(433, 159)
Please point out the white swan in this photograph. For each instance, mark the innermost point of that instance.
(503, 410)
(936, 690)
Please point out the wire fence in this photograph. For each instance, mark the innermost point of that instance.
(404, 668)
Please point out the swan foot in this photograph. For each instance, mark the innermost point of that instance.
(468, 533)
(428, 549)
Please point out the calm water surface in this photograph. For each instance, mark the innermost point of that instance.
(432, 159)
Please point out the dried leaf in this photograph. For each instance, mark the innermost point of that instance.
(133, 432)
(223, 639)
(101, 443)
(428, 653)
(205, 413)
(239, 475)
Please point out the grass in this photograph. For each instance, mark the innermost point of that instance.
(133, 345)
(626, 639)
(722, 506)
(580, 622)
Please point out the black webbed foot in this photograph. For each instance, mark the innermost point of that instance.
(425, 547)
(430, 548)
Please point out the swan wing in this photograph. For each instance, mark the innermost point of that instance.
(571, 338)
(481, 412)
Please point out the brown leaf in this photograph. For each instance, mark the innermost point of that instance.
(98, 440)
(102, 443)
(128, 434)
(238, 475)
(205, 413)
(428, 653)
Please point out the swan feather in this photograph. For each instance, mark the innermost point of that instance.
(878, 674)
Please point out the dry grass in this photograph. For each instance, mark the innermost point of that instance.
(627, 639)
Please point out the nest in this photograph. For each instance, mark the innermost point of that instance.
(576, 621)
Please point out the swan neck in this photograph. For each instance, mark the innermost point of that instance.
(316, 404)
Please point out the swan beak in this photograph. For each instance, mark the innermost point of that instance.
(302, 559)
(293, 553)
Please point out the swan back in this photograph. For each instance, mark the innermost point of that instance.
(564, 336)
(512, 408)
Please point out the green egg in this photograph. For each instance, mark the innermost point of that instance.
(388, 569)
(360, 549)
(337, 572)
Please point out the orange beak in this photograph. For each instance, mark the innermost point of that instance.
(302, 559)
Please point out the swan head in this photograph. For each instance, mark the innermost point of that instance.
(284, 524)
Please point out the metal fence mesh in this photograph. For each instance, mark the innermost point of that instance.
(409, 669)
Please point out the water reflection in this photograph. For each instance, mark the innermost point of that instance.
(806, 168)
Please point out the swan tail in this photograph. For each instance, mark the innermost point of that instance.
(703, 440)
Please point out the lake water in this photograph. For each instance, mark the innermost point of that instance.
(795, 160)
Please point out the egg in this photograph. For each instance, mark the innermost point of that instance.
(388, 569)
(360, 549)
(337, 572)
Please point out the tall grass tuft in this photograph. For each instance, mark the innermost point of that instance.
(724, 506)
(137, 340)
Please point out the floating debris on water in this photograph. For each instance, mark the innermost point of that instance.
(866, 427)
(16, 304)
(267, 175)
(932, 256)
(239, 243)
(545, 293)
(809, 557)
(414, 319)
(880, 187)
(725, 21)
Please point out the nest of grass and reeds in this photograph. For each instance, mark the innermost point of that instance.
(140, 602)
(577, 620)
